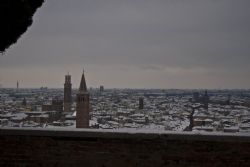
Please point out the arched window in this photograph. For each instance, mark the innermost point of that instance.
(81, 99)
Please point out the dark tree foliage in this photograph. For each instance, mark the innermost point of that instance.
(16, 17)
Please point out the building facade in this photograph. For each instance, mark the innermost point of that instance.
(57, 105)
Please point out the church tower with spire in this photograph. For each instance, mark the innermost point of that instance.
(82, 105)
(67, 93)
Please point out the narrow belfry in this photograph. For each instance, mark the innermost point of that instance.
(17, 85)
(206, 100)
(82, 105)
(141, 103)
(67, 93)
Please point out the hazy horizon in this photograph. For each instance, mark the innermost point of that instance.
(194, 44)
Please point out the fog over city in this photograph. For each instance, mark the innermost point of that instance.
(134, 44)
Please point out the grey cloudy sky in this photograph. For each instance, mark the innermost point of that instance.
(134, 44)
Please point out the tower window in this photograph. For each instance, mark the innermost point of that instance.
(81, 99)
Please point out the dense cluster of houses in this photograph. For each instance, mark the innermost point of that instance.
(131, 109)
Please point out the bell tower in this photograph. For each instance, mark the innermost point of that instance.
(67, 93)
(82, 105)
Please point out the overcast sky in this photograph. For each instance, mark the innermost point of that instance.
(134, 44)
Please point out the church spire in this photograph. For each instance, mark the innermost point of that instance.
(83, 86)
(82, 105)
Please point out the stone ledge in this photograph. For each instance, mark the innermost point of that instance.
(112, 148)
(98, 133)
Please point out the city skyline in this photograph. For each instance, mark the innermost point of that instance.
(142, 44)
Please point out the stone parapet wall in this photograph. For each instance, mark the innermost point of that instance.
(98, 148)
